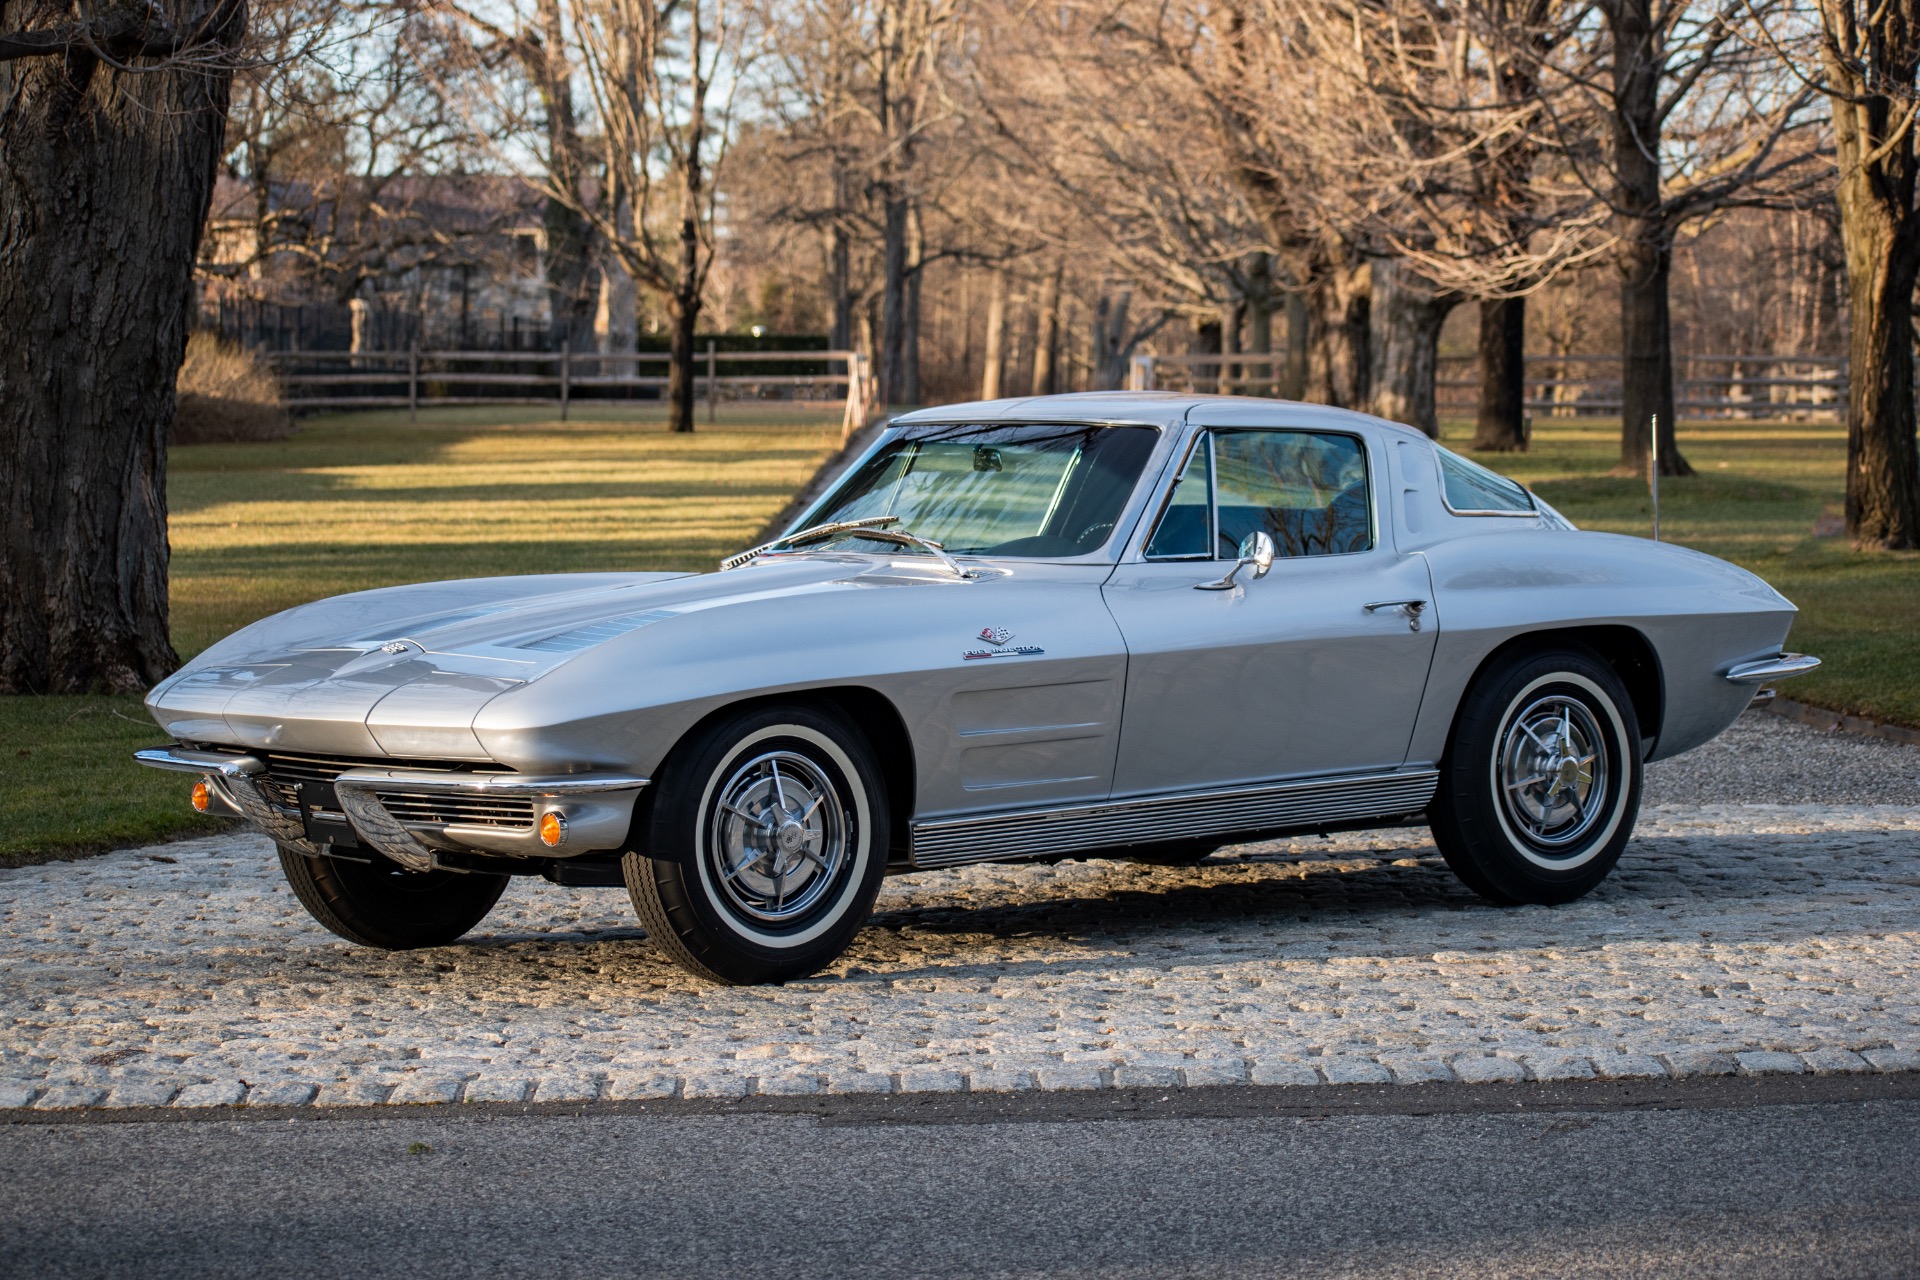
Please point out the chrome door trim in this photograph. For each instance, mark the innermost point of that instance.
(1038, 833)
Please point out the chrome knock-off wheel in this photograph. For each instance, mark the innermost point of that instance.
(779, 837)
(1541, 780)
(1553, 772)
(764, 845)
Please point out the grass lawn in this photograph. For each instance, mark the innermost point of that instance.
(1760, 490)
(365, 500)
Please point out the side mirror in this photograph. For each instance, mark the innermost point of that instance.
(1256, 549)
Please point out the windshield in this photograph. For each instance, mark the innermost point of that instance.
(1041, 491)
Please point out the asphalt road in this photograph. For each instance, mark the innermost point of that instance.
(1788, 1177)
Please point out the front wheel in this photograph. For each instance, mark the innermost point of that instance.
(764, 848)
(379, 903)
(1541, 782)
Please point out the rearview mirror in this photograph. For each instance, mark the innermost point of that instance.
(1256, 549)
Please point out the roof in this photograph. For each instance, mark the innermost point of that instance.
(1162, 408)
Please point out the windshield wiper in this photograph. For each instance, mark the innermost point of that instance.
(812, 533)
(872, 527)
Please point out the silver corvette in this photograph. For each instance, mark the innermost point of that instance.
(1130, 625)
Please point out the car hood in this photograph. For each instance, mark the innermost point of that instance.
(402, 671)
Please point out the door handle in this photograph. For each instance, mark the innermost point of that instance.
(1412, 608)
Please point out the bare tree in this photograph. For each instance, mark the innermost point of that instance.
(111, 129)
(338, 154)
(1700, 120)
(661, 77)
(1871, 59)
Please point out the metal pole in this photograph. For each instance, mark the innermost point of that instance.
(566, 379)
(413, 382)
(713, 385)
(1656, 477)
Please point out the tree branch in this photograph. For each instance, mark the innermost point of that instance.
(124, 35)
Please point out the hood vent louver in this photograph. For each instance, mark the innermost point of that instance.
(593, 633)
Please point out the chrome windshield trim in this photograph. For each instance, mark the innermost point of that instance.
(1126, 527)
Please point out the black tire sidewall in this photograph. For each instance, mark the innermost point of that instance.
(1470, 822)
(378, 904)
(680, 880)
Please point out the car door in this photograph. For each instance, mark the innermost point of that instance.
(1316, 668)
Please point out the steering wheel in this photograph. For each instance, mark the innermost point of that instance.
(1080, 539)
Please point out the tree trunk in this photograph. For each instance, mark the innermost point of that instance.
(616, 320)
(1646, 348)
(910, 310)
(893, 298)
(1883, 469)
(1645, 256)
(1501, 426)
(1293, 379)
(996, 337)
(1880, 230)
(105, 178)
(682, 322)
(683, 319)
(1260, 323)
(1231, 316)
(568, 261)
(840, 266)
(1110, 345)
(1340, 325)
(1046, 348)
(1405, 350)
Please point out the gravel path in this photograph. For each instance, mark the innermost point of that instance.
(1767, 759)
(1733, 937)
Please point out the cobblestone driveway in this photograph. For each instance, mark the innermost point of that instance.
(1732, 938)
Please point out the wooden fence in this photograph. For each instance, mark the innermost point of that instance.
(427, 379)
(1706, 386)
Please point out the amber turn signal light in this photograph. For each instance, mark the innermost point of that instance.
(202, 795)
(553, 830)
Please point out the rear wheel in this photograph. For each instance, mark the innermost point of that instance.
(382, 904)
(765, 845)
(1541, 783)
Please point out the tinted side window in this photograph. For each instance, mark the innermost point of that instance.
(1471, 487)
(1306, 489)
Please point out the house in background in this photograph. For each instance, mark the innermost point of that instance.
(446, 261)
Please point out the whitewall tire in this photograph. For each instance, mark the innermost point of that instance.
(1541, 783)
(762, 846)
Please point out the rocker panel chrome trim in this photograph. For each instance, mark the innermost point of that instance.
(1153, 819)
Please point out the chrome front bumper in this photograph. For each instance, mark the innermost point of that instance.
(1787, 664)
(1776, 668)
(598, 807)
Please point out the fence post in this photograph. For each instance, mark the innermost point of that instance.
(854, 414)
(566, 379)
(413, 382)
(713, 385)
(1140, 374)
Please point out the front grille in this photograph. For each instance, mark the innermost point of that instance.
(411, 807)
(287, 770)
